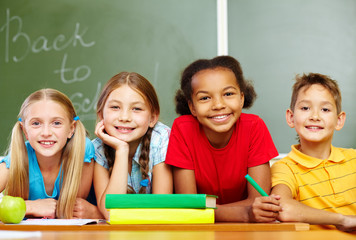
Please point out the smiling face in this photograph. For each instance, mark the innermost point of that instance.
(315, 116)
(47, 127)
(217, 103)
(127, 115)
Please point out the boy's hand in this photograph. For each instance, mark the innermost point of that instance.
(349, 224)
(265, 209)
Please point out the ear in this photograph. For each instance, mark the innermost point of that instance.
(290, 118)
(153, 120)
(242, 99)
(100, 116)
(192, 108)
(72, 129)
(23, 129)
(340, 121)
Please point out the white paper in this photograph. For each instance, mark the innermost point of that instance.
(78, 222)
(19, 234)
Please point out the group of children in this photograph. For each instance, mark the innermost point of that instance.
(211, 147)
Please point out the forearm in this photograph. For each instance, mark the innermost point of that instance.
(117, 183)
(234, 212)
(231, 213)
(294, 211)
(118, 179)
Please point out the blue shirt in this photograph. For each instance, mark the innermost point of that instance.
(37, 188)
(158, 150)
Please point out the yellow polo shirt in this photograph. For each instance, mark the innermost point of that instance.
(327, 184)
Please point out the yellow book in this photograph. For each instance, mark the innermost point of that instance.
(161, 216)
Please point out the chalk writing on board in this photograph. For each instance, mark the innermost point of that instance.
(16, 36)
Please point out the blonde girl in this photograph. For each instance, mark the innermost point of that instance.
(53, 167)
(131, 145)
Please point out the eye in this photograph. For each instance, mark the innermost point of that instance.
(305, 108)
(137, 109)
(35, 123)
(114, 107)
(57, 123)
(204, 98)
(229, 94)
(325, 110)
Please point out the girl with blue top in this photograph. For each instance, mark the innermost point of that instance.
(54, 167)
(131, 145)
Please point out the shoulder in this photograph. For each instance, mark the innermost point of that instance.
(284, 164)
(6, 160)
(159, 142)
(347, 153)
(89, 150)
(99, 152)
(161, 130)
(97, 143)
(185, 122)
(247, 118)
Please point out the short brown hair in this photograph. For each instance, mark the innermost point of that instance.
(307, 80)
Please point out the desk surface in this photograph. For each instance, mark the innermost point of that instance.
(210, 231)
(217, 227)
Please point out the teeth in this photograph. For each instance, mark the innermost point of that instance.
(314, 127)
(121, 128)
(47, 143)
(220, 117)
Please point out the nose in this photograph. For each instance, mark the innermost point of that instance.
(125, 116)
(46, 130)
(218, 103)
(314, 115)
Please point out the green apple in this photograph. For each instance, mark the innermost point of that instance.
(12, 209)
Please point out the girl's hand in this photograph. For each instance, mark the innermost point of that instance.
(113, 142)
(85, 210)
(265, 209)
(42, 208)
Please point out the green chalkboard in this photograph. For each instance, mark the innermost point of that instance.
(75, 46)
(275, 40)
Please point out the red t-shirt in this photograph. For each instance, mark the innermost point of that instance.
(220, 172)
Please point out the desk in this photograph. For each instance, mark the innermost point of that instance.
(218, 231)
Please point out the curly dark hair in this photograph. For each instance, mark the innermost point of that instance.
(184, 94)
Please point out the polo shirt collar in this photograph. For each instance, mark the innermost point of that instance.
(311, 162)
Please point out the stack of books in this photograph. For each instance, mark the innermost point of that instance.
(160, 208)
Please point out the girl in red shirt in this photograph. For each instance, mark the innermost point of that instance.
(213, 145)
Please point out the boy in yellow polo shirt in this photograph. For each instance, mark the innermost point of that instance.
(316, 182)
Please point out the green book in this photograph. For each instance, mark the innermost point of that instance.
(160, 201)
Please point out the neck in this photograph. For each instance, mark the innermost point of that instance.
(316, 150)
(49, 163)
(219, 140)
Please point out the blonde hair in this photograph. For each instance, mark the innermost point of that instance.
(72, 155)
(145, 88)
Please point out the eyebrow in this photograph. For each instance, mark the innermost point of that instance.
(309, 101)
(51, 119)
(131, 103)
(224, 89)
